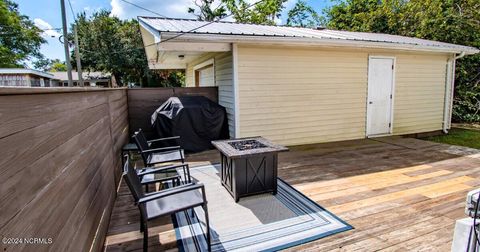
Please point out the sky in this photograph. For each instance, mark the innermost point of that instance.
(46, 14)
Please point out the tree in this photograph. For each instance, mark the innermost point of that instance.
(20, 39)
(109, 44)
(205, 11)
(304, 15)
(42, 63)
(49, 65)
(57, 66)
(261, 12)
(366, 15)
(442, 20)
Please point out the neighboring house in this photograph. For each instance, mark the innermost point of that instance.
(299, 85)
(90, 79)
(23, 77)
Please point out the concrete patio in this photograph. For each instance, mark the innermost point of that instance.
(398, 193)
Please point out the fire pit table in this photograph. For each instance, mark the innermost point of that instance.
(248, 165)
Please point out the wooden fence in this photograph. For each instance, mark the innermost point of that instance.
(60, 166)
(142, 102)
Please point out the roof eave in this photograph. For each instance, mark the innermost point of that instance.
(155, 33)
(303, 41)
(26, 71)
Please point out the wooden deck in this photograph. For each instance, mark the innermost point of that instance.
(399, 193)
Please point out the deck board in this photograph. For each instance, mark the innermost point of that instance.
(399, 194)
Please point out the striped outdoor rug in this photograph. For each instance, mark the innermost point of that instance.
(258, 223)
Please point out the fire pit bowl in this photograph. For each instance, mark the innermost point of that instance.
(246, 144)
(248, 165)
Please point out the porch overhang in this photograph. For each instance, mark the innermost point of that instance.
(164, 54)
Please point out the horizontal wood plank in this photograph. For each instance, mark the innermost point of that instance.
(61, 165)
(142, 102)
(399, 194)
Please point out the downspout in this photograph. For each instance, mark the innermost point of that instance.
(450, 82)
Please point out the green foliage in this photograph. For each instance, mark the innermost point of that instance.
(260, 12)
(109, 44)
(304, 15)
(42, 64)
(264, 12)
(461, 137)
(20, 39)
(442, 20)
(49, 65)
(365, 16)
(205, 11)
(168, 78)
(58, 66)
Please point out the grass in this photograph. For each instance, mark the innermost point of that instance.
(456, 136)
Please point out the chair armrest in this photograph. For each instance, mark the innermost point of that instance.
(160, 169)
(172, 191)
(160, 180)
(162, 149)
(163, 139)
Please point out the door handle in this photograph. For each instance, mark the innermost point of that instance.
(370, 102)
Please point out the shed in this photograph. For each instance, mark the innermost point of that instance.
(298, 85)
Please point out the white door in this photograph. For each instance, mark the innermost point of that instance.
(379, 102)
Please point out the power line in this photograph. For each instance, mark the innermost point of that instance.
(51, 29)
(43, 30)
(201, 26)
(143, 8)
(181, 33)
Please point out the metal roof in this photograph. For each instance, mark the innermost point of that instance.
(238, 30)
(24, 71)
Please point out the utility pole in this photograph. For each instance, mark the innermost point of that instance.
(65, 43)
(77, 56)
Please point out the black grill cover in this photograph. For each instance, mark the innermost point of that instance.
(196, 119)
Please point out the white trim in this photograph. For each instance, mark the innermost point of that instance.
(155, 33)
(236, 102)
(448, 91)
(392, 101)
(379, 135)
(305, 41)
(194, 47)
(452, 92)
(202, 65)
(153, 65)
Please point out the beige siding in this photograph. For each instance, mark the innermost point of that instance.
(419, 93)
(301, 96)
(189, 74)
(223, 80)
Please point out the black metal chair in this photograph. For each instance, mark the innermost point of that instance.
(166, 202)
(162, 175)
(152, 156)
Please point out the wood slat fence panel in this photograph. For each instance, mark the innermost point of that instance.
(142, 102)
(60, 165)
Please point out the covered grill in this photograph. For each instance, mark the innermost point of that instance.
(196, 119)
